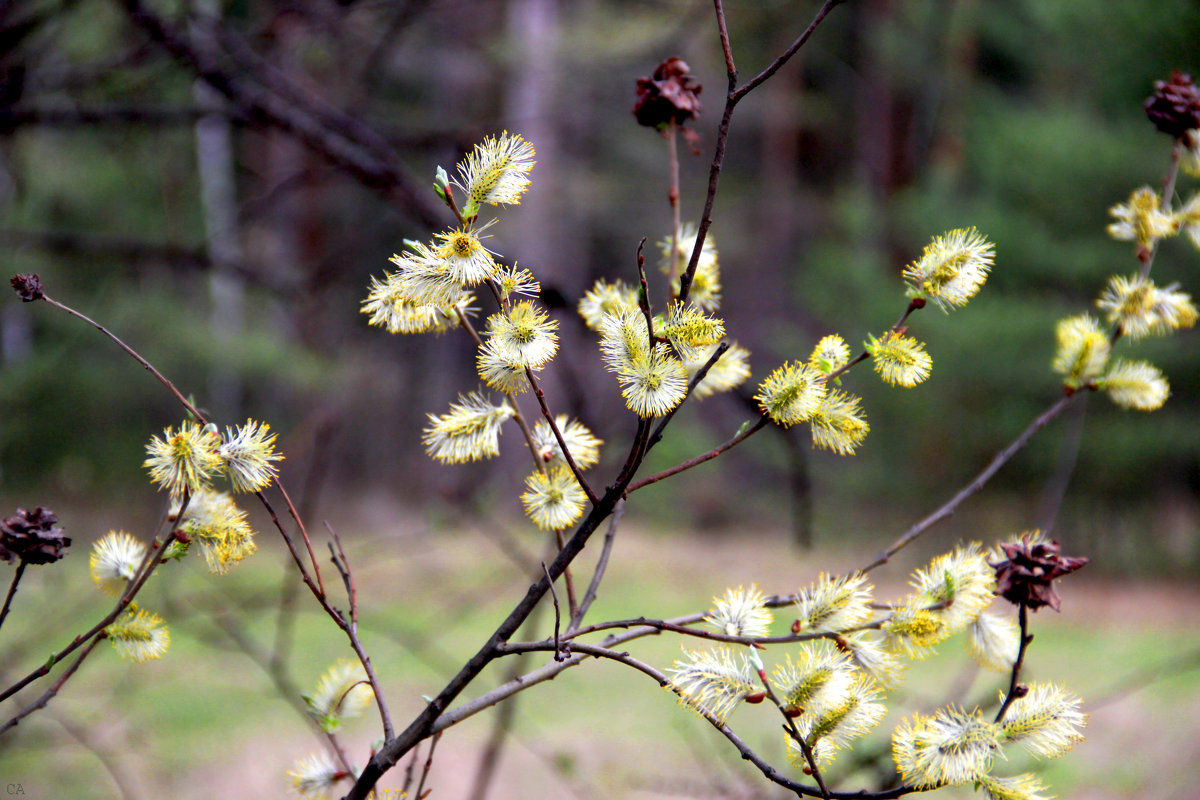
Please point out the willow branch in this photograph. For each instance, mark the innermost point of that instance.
(786, 56)
(195, 412)
(700, 459)
(149, 564)
(312, 557)
(423, 725)
(49, 694)
(562, 443)
(656, 437)
(466, 325)
(589, 596)
(998, 461)
(789, 726)
(1013, 685)
(12, 589)
(1146, 255)
(733, 96)
(746, 752)
(331, 134)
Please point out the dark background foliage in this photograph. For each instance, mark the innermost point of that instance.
(898, 122)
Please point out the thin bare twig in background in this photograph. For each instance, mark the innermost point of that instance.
(1140, 678)
(589, 596)
(1068, 454)
(294, 112)
(108, 758)
(999, 460)
(51, 692)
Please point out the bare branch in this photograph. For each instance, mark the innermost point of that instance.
(999, 460)
(294, 112)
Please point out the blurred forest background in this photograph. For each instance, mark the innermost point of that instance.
(216, 181)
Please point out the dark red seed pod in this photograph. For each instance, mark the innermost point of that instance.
(670, 94)
(1174, 108)
(28, 287)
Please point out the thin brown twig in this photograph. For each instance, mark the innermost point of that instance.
(295, 554)
(557, 615)
(789, 727)
(636, 452)
(312, 557)
(717, 352)
(50, 693)
(562, 443)
(644, 293)
(1164, 203)
(12, 589)
(339, 752)
(703, 457)
(385, 716)
(913, 305)
(1055, 489)
(149, 563)
(589, 596)
(338, 557)
(949, 507)
(654, 626)
(733, 96)
(786, 56)
(671, 134)
(466, 325)
(195, 412)
(437, 737)
(1013, 684)
(746, 752)
(410, 770)
(338, 618)
(568, 579)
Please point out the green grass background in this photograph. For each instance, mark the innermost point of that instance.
(206, 721)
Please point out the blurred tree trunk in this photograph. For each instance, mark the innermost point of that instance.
(218, 198)
(549, 235)
(218, 203)
(948, 112)
(873, 112)
(782, 217)
(533, 41)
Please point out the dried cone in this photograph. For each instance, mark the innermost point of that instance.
(32, 536)
(1174, 108)
(1027, 577)
(28, 287)
(671, 94)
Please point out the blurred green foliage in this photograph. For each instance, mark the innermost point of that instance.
(898, 122)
